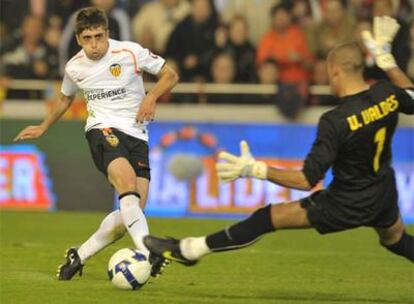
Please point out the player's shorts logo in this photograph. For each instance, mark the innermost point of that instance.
(110, 137)
(115, 69)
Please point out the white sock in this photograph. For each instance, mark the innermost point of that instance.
(134, 220)
(193, 248)
(111, 229)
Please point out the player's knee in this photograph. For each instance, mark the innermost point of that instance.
(123, 183)
(392, 234)
(289, 215)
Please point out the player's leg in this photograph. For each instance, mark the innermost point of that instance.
(123, 177)
(112, 227)
(158, 263)
(242, 234)
(396, 240)
(110, 230)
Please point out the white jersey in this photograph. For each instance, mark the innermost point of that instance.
(113, 86)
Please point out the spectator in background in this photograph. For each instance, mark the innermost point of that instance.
(191, 41)
(63, 9)
(242, 50)
(155, 21)
(13, 13)
(320, 78)
(267, 73)
(234, 41)
(336, 27)
(359, 9)
(223, 71)
(29, 60)
(119, 28)
(301, 13)
(32, 58)
(286, 43)
(254, 12)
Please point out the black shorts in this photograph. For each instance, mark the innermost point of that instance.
(327, 216)
(109, 143)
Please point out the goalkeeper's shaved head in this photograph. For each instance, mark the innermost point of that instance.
(345, 64)
(348, 57)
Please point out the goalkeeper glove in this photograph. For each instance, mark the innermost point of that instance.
(379, 45)
(240, 166)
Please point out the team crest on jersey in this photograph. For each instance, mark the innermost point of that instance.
(115, 69)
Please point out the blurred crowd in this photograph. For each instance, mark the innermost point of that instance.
(218, 41)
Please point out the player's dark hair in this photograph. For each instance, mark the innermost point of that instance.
(348, 56)
(90, 17)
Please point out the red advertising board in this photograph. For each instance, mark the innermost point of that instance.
(23, 180)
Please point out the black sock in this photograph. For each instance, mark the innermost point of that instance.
(243, 233)
(404, 247)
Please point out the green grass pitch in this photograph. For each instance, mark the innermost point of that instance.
(286, 267)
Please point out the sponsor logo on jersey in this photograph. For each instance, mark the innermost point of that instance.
(115, 69)
(94, 94)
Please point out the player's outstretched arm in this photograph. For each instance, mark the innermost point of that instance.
(399, 78)
(167, 79)
(379, 43)
(294, 179)
(32, 132)
(232, 167)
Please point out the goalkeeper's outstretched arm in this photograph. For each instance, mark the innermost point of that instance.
(293, 179)
(399, 78)
(378, 42)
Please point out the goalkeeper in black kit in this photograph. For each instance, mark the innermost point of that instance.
(354, 139)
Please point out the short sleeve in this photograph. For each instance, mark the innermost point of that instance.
(405, 99)
(69, 87)
(149, 62)
(323, 153)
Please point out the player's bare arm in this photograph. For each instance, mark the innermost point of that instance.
(167, 79)
(293, 179)
(399, 78)
(32, 132)
(233, 167)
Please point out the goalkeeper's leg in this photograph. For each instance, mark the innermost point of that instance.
(242, 234)
(396, 240)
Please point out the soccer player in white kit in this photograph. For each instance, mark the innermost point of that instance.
(109, 73)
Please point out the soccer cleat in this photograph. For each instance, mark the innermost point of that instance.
(72, 266)
(158, 264)
(168, 249)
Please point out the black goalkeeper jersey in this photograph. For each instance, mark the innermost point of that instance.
(355, 140)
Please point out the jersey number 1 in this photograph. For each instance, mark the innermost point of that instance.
(379, 139)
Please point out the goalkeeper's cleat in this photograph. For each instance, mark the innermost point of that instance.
(72, 266)
(158, 264)
(168, 249)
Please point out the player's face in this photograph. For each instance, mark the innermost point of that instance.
(94, 42)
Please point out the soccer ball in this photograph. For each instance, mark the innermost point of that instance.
(129, 269)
